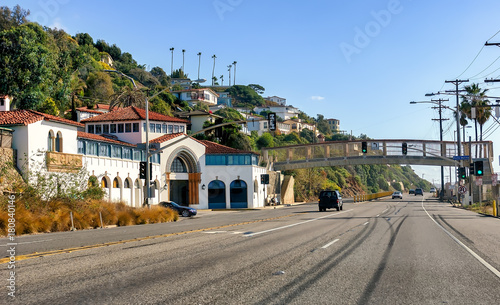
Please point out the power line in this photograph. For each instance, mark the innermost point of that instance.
(471, 62)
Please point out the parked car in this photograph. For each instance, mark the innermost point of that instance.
(412, 191)
(330, 199)
(182, 210)
(433, 189)
(419, 192)
(397, 195)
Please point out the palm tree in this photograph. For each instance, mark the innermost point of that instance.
(127, 97)
(475, 96)
(213, 70)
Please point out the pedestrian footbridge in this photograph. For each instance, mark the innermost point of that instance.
(343, 153)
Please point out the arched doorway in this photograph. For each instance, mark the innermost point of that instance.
(183, 176)
(238, 194)
(137, 194)
(216, 195)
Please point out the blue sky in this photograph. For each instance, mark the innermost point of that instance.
(359, 61)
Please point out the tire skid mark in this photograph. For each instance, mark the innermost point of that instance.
(370, 288)
(295, 288)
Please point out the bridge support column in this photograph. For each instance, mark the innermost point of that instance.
(289, 155)
(424, 150)
(327, 151)
(384, 149)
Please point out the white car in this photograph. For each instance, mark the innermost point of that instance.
(397, 195)
(433, 189)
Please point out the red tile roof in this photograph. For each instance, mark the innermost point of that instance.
(91, 136)
(95, 108)
(26, 117)
(133, 114)
(166, 137)
(215, 148)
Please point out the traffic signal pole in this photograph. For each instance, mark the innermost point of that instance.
(459, 153)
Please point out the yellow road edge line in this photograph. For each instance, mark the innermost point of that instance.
(69, 250)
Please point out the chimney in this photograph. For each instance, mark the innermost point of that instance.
(4, 103)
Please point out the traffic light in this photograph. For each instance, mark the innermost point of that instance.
(364, 147)
(461, 173)
(142, 170)
(405, 148)
(471, 169)
(264, 179)
(478, 166)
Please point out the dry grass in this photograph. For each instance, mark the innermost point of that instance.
(34, 215)
(486, 208)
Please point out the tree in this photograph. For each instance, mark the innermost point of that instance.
(476, 96)
(84, 39)
(144, 77)
(99, 86)
(128, 97)
(265, 140)
(161, 76)
(322, 125)
(26, 65)
(178, 74)
(257, 88)
(12, 18)
(244, 95)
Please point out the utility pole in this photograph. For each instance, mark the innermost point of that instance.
(441, 193)
(456, 83)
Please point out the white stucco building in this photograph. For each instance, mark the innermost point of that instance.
(197, 173)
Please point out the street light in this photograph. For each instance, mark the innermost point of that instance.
(438, 102)
(148, 170)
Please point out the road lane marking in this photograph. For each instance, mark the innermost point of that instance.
(214, 232)
(330, 243)
(476, 256)
(366, 223)
(377, 215)
(28, 242)
(69, 250)
(294, 224)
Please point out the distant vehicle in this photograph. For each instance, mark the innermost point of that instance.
(433, 189)
(412, 191)
(182, 210)
(419, 192)
(397, 195)
(329, 199)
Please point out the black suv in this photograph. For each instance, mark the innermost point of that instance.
(419, 192)
(329, 199)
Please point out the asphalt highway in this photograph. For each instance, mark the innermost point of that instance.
(410, 251)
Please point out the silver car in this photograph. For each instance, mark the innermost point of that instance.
(397, 195)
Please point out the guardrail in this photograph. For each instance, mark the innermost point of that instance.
(367, 197)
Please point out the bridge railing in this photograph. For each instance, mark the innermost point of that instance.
(346, 149)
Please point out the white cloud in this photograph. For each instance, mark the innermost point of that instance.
(317, 98)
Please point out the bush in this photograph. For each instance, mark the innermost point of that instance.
(34, 215)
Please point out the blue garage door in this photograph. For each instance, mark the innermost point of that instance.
(216, 195)
(238, 194)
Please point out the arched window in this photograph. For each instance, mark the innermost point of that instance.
(116, 183)
(137, 184)
(178, 166)
(126, 184)
(104, 182)
(59, 142)
(50, 141)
